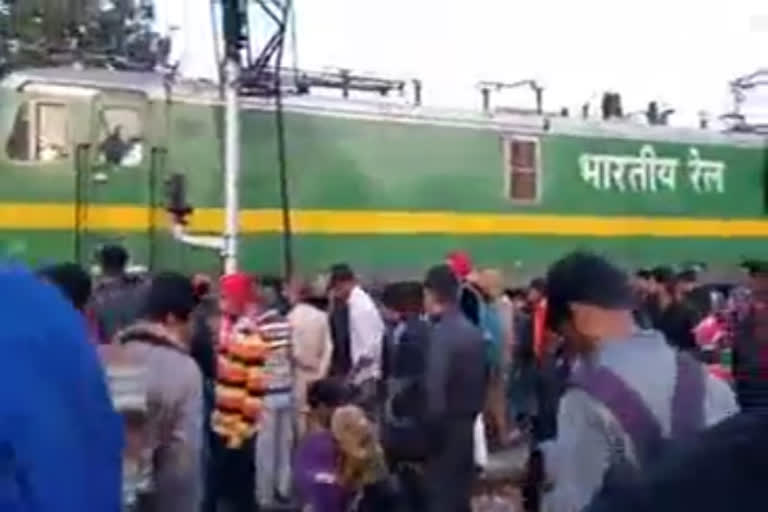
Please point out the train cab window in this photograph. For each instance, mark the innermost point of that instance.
(40, 133)
(121, 138)
(522, 169)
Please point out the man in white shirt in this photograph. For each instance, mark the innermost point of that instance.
(366, 331)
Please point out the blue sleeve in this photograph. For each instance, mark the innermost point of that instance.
(58, 429)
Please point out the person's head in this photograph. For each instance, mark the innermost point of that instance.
(113, 260)
(237, 293)
(460, 262)
(537, 290)
(662, 281)
(589, 300)
(685, 282)
(170, 301)
(72, 281)
(272, 292)
(323, 398)
(391, 303)
(299, 290)
(642, 281)
(491, 282)
(358, 446)
(441, 290)
(202, 285)
(401, 299)
(343, 281)
(758, 276)
(517, 296)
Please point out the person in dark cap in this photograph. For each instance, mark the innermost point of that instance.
(619, 372)
(750, 341)
(456, 381)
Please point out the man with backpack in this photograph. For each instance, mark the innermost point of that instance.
(169, 466)
(629, 390)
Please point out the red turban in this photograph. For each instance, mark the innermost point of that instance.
(238, 288)
(460, 263)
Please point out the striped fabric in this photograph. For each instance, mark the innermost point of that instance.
(127, 382)
(245, 376)
(276, 331)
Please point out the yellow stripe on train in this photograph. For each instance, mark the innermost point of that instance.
(131, 218)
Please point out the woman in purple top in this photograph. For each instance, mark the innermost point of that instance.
(315, 467)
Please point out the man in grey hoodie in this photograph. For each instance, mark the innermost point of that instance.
(172, 448)
(590, 305)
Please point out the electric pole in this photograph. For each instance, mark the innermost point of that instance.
(233, 24)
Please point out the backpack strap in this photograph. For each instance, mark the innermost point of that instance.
(688, 400)
(626, 405)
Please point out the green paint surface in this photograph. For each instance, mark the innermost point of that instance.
(345, 164)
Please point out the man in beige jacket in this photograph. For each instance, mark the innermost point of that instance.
(311, 342)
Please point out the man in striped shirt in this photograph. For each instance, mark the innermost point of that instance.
(276, 425)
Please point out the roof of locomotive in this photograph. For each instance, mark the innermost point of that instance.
(156, 87)
(151, 84)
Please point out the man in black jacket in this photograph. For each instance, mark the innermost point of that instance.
(406, 342)
(456, 378)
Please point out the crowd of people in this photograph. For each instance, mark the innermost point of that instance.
(177, 393)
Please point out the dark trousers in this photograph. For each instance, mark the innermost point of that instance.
(412, 486)
(451, 469)
(231, 478)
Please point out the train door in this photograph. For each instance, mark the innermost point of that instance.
(119, 172)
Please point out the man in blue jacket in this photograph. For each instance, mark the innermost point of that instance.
(60, 438)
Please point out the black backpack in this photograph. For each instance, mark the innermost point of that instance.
(639, 423)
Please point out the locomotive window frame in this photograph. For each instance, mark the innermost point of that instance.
(511, 171)
(136, 136)
(30, 117)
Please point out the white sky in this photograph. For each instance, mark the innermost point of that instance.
(679, 51)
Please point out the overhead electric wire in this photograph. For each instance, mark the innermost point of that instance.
(281, 152)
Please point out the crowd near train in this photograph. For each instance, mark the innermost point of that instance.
(619, 389)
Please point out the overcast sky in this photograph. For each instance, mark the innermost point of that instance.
(679, 51)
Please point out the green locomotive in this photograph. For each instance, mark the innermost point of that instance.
(84, 156)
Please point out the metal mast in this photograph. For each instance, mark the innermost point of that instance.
(266, 70)
(233, 32)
